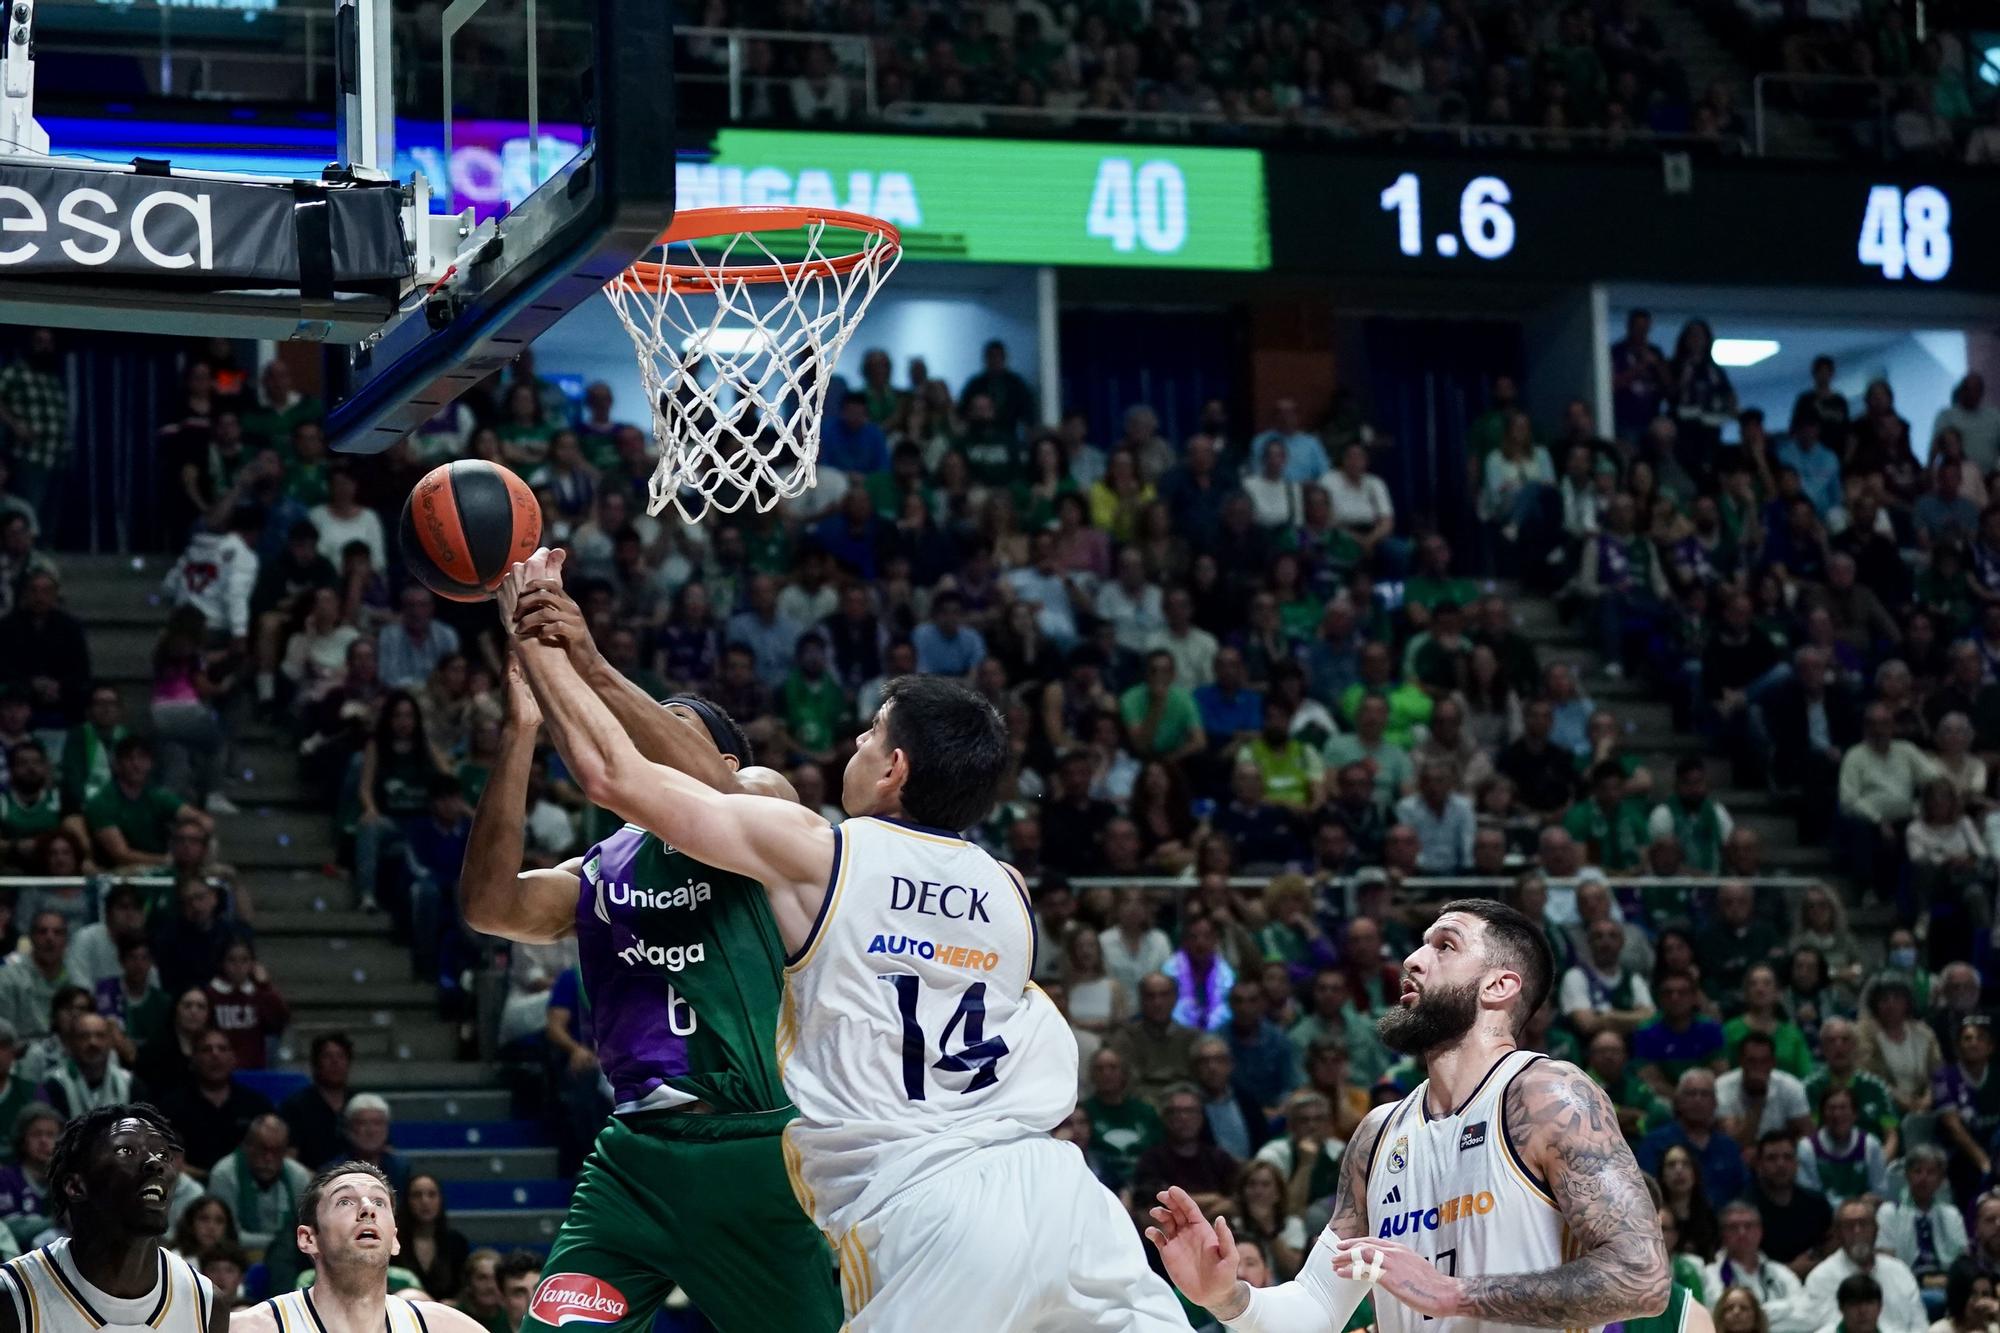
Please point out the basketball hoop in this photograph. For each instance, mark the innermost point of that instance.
(737, 345)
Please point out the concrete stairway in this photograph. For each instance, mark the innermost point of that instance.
(1650, 734)
(1708, 61)
(340, 969)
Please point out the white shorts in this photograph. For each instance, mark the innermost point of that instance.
(1020, 1237)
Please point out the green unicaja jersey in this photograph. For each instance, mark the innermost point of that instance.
(682, 972)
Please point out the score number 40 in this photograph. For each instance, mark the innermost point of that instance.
(1906, 233)
(1143, 205)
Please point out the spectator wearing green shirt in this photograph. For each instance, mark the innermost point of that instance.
(1483, 436)
(30, 806)
(131, 817)
(1294, 773)
(1608, 1062)
(814, 705)
(1734, 942)
(1874, 1103)
(280, 407)
(1693, 816)
(1409, 706)
(1611, 828)
(306, 470)
(1160, 716)
(1121, 1126)
(88, 746)
(1432, 583)
(1394, 773)
(1440, 658)
(1761, 1013)
(1334, 1017)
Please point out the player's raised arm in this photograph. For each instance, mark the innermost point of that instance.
(1201, 1258)
(1567, 1130)
(495, 894)
(784, 846)
(547, 613)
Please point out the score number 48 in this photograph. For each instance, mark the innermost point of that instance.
(1906, 233)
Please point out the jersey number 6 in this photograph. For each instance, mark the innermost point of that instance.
(978, 1055)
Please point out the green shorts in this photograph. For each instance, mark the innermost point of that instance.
(698, 1201)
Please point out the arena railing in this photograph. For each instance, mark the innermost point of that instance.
(988, 116)
(80, 897)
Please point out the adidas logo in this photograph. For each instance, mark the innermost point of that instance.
(1395, 1195)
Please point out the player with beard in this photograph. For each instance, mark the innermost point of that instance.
(110, 1181)
(1499, 1194)
(347, 1228)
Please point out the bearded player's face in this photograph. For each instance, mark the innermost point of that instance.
(1441, 983)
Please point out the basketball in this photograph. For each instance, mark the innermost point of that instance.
(465, 524)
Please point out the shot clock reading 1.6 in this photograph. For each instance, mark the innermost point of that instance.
(1483, 226)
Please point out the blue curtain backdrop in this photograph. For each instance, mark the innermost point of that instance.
(1171, 361)
(1423, 382)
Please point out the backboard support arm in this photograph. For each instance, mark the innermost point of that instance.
(20, 132)
(366, 114)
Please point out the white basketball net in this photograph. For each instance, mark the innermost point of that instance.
(737, 371)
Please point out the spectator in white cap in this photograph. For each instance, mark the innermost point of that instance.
(365, 1127)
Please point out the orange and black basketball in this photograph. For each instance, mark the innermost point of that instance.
(465, 525)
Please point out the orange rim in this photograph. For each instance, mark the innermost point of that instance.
(703, 223)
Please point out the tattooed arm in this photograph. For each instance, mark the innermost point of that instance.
(1566, 1129)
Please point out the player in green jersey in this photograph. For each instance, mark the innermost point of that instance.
(681, 970)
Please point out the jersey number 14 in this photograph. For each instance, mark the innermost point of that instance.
(979, 1056)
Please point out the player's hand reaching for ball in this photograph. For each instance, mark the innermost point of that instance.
(1400, 1271)
(523, 709)
(549, 614)
(508, 594)
(1200, 1258)
(541, 567)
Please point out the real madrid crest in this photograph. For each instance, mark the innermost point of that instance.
(1399, 1154)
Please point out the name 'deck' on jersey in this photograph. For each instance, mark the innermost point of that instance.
(954, 902)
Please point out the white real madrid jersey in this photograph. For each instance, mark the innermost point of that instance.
(1453, 1189)
(910, 1033)
(296, 1313)
(51, 1296)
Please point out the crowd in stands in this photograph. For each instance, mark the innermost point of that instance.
(1895, 79)
(1260, 718)
(1483, 73)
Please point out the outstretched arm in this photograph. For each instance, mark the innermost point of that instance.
(549, 614)
(1566, 1128)
(780, 844)
(1201, 1258)
(496, 896)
